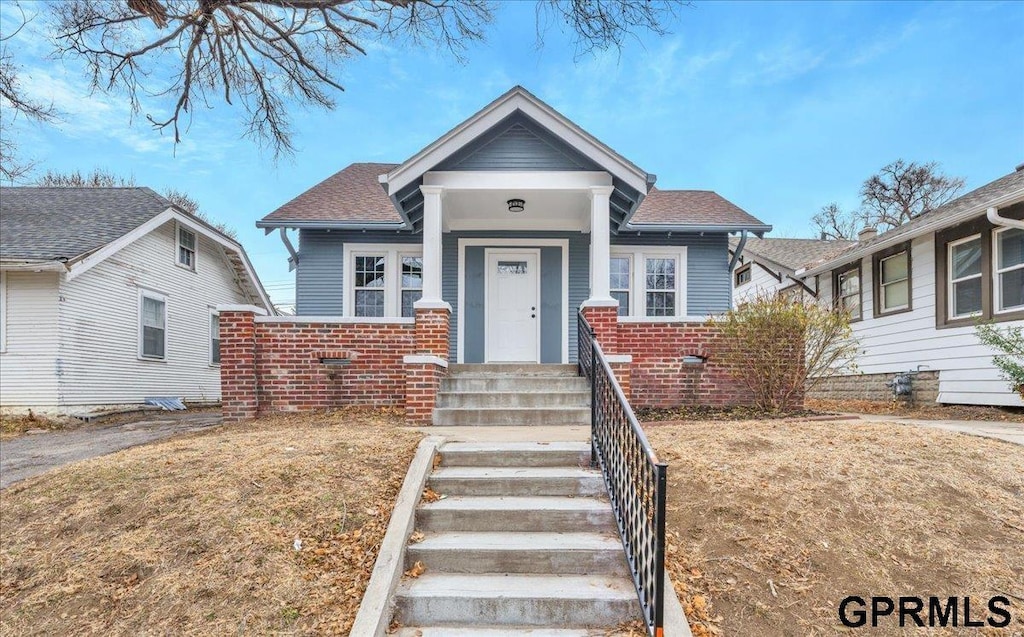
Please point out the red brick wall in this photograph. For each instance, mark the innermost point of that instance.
(237, 366)
(422, 380)
(291, 376)
(658, 376)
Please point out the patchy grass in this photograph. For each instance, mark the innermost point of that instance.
(923, 412)
(820, 510)
(706, 412)
(13, 425)
(198, 535)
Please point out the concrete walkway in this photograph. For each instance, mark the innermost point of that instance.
(1005, 431)
(32, 454)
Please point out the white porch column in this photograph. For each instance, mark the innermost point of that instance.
(600, 245)
(431, 248)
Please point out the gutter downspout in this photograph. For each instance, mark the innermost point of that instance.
(293, 260)
(993, 216)
(739, 250)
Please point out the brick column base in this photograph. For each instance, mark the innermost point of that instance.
(422, 380)
(622, 370)
(238, 384)
(604, 320)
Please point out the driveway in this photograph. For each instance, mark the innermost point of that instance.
(32, 454)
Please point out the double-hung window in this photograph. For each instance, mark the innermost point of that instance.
(649, 282)
(186, 248)
(892, 274)
(620, 281)
(214, 338)
(744, 274)
(1009, 269)
(412, 283)
(152, 325)
(847, 287)
(382, 280)
(965, 277)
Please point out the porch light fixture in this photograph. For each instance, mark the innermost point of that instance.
(516, 205)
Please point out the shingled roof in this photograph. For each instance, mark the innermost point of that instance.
(354, 195)
(792, 253)
(61, 224)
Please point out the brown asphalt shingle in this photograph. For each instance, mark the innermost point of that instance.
(792, 253)
(352, 194)
(690, 207)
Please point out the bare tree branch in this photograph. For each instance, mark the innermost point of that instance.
(901, 191)
(605, 24)
(833, 222)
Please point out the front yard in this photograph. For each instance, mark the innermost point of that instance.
(772, 523)
(269, 527)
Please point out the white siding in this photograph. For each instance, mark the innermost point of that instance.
(761, 284)
(99, 324)
(28, 362)
(903, 341)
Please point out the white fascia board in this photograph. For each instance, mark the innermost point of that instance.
(33, 266)
(925, 228)
(512, 180)
(517, 99)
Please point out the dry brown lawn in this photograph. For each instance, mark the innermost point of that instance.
(197, 535)
(822, 510)
(12, 425)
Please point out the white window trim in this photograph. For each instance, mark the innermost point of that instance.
(628, 290)
(3, 311)
(178, 227)
(882, 285)
(393, 252)
(858, 295)
(638, 285)
(144, 293)
(401, 287)
(209, 340)
(950, 281)
(997, 291)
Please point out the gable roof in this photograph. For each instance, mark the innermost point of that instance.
(62, 224)
(74, 229)
(792, 253)
(1004, 191)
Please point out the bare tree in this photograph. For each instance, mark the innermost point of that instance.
(901, 191)
(264, 55)
(100, 178)
(833, 222)
(14, 103)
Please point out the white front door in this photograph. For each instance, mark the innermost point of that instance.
(512, 306)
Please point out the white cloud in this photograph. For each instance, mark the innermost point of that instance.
(781, 64)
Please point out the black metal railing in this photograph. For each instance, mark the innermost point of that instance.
(633, 476)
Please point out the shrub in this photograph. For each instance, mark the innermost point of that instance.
(1009, 342)
(780, 348)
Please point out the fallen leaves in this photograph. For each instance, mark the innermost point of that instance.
(417, 569)
(429, 495)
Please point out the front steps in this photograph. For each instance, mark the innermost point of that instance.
(522, 543)
(512, 395)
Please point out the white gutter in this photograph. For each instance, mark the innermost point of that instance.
(997, 220)
(926, 228)
(34, 266)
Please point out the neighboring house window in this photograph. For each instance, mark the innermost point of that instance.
(214, 338)
(152, 325)
(619, 282)
(847, 290)
(382, 280)
(1009, 269)
(412, 283)
(649, 282)
(965, 277)
(370, 285)
(743, 274)
(892, 281)
(186, 248)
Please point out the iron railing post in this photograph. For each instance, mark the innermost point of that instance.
(593, 401)
(659, 552)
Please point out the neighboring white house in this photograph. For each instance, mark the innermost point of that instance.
(768, 266)
(107, 296)
(974, 248)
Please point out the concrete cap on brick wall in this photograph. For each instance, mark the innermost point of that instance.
(255, 309)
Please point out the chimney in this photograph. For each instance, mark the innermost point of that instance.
(824, 236)
(865, 234)
(1019, 168)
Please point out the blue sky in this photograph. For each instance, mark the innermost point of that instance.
(781, 108)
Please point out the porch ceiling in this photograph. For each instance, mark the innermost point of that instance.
(488, 210)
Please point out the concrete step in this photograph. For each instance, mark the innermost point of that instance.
(456, 417)
(513, 369)
(513, 399)
(542, 514)
(516, 600)
(484, 631)
(515, 454)
(546, 553)
(497, 382)
(517, 481)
